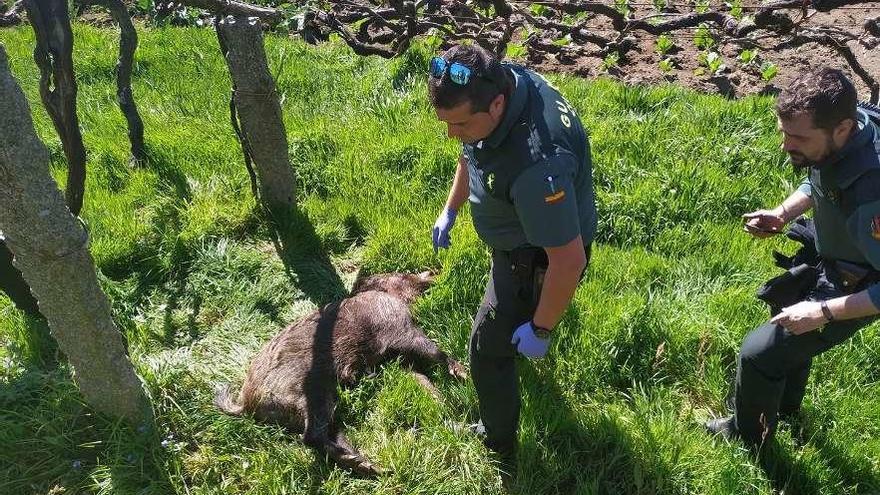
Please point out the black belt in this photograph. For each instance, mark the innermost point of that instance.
(533, 255)
(853, 277)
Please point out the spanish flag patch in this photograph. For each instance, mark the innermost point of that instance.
(557, 197)
(875, 228)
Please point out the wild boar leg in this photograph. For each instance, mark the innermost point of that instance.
(422, 354)
(337, 448)
(426, 384)
(353, 459)
(323, 437)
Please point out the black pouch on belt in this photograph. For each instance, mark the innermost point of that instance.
(529, 265)
(852, 276)
(789, 288)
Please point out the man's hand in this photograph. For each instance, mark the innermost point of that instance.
(444, 223)
(763, 223)
(527, 343)
(801, 318)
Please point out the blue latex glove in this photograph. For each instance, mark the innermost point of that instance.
(444, 223)
(527, 343)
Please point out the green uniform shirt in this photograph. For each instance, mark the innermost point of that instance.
(531, 179)
(845, 190)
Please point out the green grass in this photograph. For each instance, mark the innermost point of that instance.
(646, 352)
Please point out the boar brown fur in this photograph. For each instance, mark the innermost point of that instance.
(292, 380)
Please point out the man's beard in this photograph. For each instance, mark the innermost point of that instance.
(800, 162)
(804, 163)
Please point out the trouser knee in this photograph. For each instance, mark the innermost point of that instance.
(763, 350)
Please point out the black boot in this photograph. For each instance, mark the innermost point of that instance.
(508, 470)
(725, 427)
(505, 454)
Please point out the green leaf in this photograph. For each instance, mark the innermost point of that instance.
(703, 38)
(611, 60)
(664, 44)
(715, 63)
(768, 71)
(748, 56)
(565, 40)
(703, 59)
(515, 51)
(736, 9)
(538, 9)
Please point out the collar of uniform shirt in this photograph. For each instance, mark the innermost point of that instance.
(848, 171)
(511, 114)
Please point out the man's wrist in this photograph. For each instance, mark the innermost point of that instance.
(782, 213)
(539, 331)
(449, 214)
(826, 311)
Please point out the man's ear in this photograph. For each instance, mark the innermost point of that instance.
(842, 131)
(496, 108)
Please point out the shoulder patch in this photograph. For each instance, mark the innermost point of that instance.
(557, 197)
(554, 196)
(875, 228)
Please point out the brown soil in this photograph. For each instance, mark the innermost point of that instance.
(641, 66)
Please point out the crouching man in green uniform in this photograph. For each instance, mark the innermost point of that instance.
(837, 293)
(525, 167)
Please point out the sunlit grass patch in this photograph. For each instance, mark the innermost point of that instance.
(645, 353)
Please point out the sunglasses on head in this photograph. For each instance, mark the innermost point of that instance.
(458, 72)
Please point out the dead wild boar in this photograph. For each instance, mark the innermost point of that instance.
(292, 380)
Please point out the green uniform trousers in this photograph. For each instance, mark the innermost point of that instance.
(510, 299)
(774, 365)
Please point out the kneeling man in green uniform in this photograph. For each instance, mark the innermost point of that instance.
(833, 286)
(525, 168)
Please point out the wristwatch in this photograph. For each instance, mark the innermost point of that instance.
(540, 332)
(827, 312)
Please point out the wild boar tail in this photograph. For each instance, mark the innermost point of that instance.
(225, 400)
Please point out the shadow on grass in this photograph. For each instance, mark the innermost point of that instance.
(53, 443)
(786, 473)
(13, 284)
(31, 342)
(584, 455)
(853, 471)
(596, 456)
(304, 258)
(154, 262)
(170, 329)
(165, 260)
(790, 475)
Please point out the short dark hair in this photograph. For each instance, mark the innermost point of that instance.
(480, 90)
(826, 94)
